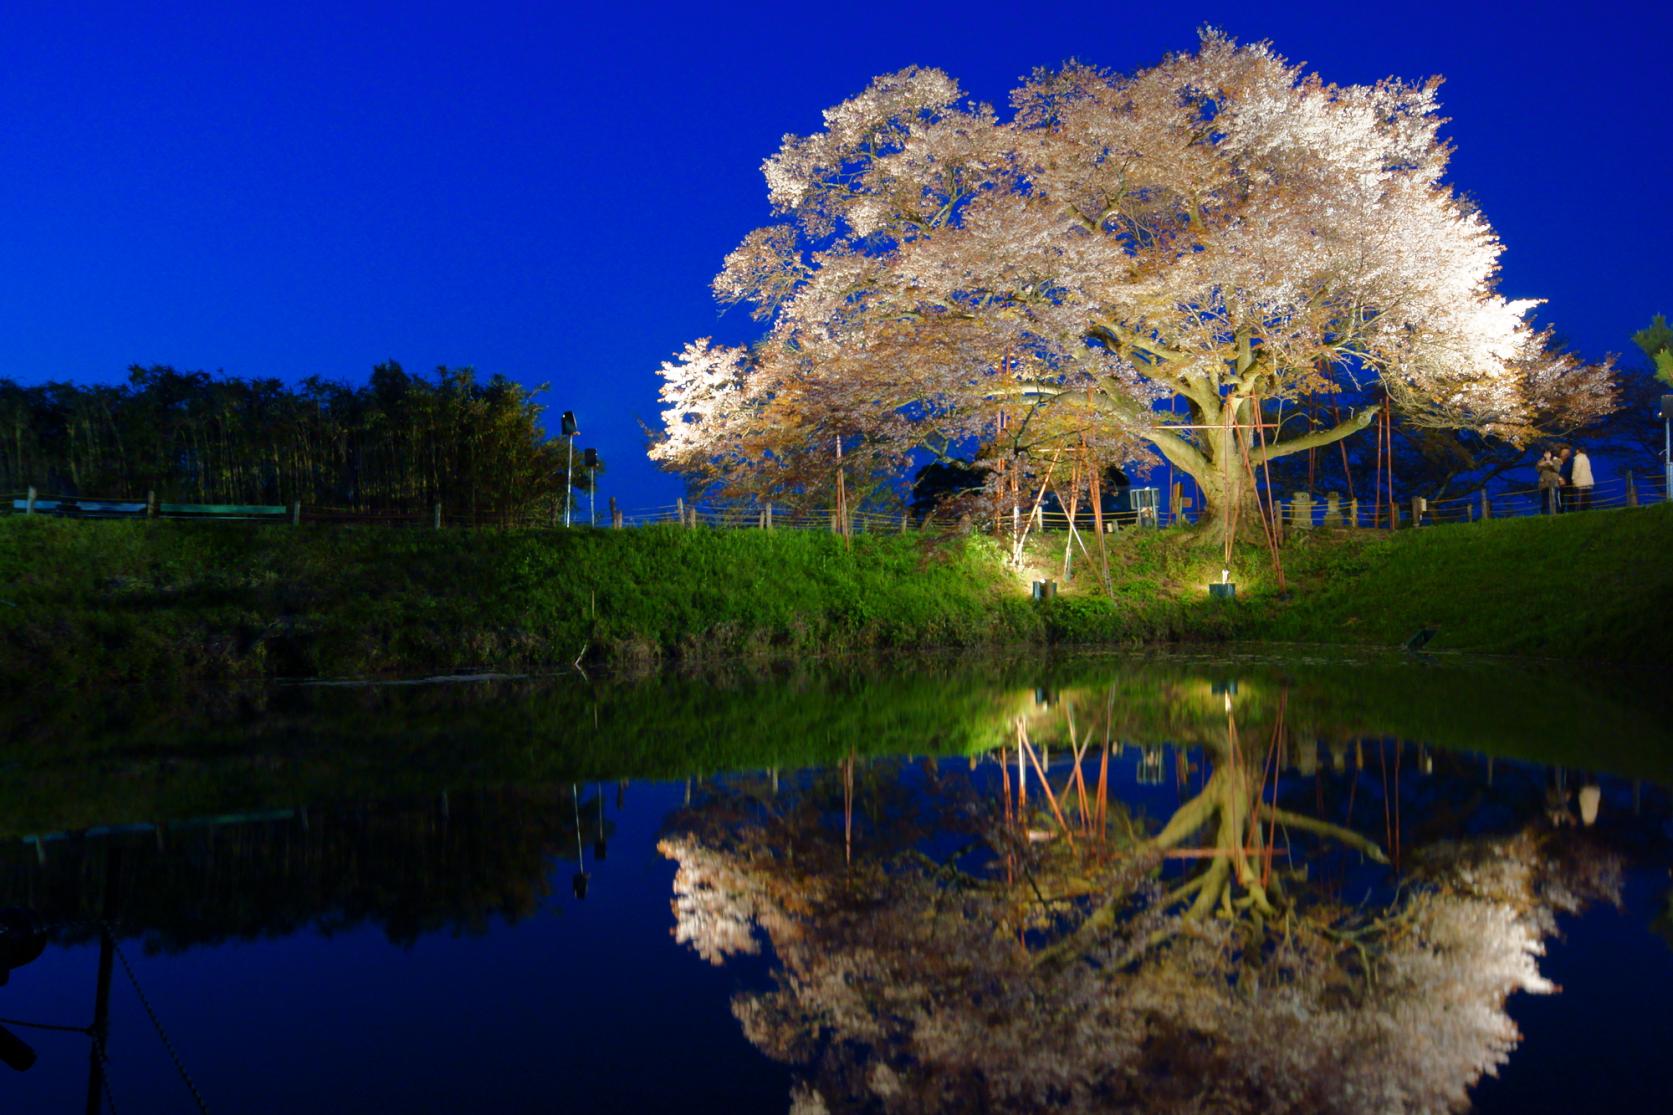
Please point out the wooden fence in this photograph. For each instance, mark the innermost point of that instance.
(1302, 511)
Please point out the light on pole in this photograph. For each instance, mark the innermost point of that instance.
(1667, 447)
(569, 429)
(589, 458)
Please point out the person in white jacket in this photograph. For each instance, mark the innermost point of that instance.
(1581, 479)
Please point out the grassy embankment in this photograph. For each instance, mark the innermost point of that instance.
(1596, 587)
(84, 601)
(105, 601)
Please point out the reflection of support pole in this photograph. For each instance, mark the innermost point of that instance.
(848, 808)
(579, 883)
(101, 996)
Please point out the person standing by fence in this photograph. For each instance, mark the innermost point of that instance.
(1565, 475)
(1580, 479)
(1550, 482)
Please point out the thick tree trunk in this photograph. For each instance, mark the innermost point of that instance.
(1227, 471)
(1231, 505)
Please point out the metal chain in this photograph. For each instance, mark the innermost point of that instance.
(156, 1022)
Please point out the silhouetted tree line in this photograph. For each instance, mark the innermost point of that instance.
(399, 442)
(406, 866)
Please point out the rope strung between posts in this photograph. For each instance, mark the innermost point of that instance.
(157, 1024)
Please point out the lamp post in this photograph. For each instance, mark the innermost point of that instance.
(569, 430)
(1667, 447)
(589, 458)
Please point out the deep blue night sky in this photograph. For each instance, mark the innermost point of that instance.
(545, 191)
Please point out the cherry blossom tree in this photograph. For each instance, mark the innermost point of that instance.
(1221, 233)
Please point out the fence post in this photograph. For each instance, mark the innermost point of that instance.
(615, 515)
(1486, 505)
(906, 521)
(1632, 492)
(151, 505)
(1419, 506)
(29, 503)
(437, 511)
(1353, 512)
(768, 521)
(296, 513)
(679, 509)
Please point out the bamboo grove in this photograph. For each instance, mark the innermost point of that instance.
(400, 442)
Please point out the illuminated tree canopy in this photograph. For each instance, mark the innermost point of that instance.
(1221, 233)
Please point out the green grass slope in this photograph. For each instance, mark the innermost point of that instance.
(1592, 586)
(98, 602)
(102, 601)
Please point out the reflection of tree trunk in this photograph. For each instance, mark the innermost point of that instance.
(101, 997)
(1228, 800)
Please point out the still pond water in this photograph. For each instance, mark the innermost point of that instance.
(1247, 882)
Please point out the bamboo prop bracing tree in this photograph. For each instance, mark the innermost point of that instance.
(1216, 228)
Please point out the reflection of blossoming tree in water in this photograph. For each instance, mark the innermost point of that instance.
(1077, 972)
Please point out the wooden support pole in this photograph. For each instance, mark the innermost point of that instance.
(615, 515)
(1021, 537)
(1486, 505)
(679, 509)
(843, 525)
(296, 513)
(29, 501)
(437, 511)
(1632, 492)
(1095, 493)
(151, 505)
